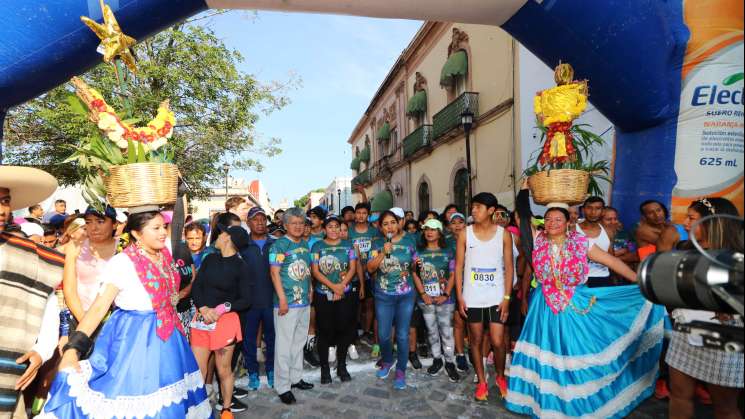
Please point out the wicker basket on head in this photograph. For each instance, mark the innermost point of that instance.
(137, 184)
(561, 185)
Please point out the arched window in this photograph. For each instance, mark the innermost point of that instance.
(460, 189)
(423, 196)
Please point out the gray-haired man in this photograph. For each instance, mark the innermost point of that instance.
(290, 262)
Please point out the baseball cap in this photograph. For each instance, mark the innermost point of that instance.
(457, 215)
(433, 224)
(330, 218)
(318, 211)
(399, 212)
(253, 212)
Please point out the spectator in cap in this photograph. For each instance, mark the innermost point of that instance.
(260, 315)
(85, 260)
(334, 267)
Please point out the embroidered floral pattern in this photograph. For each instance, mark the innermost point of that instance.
(160, 284)
(560, 276)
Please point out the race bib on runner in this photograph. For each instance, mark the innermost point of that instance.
(433, 289)
(484, 277)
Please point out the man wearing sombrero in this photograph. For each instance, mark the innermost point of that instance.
(29, 274)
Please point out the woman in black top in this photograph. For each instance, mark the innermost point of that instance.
(222, 288)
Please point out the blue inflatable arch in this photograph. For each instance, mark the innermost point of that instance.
(643, 58)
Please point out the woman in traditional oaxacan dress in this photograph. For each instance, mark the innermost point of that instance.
(141, 365)
(583, 351)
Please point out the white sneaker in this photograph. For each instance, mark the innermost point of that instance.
(332, 354)
(352, 351)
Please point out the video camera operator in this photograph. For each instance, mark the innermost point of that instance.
(688, 358)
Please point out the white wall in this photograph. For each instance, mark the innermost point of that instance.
(535, 76)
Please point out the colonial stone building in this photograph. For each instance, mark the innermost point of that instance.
(409, 147)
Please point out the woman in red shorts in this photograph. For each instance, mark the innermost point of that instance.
(222, 288)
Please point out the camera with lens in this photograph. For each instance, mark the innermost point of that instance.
(691, 279)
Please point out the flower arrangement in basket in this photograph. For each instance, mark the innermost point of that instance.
(126, 165)
(563, 170)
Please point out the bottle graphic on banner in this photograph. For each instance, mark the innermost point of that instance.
(709, 145)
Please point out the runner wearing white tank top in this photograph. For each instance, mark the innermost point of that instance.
(483, 280)
(599, 275)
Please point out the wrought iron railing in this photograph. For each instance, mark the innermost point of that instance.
(420, 137)
(450, 116)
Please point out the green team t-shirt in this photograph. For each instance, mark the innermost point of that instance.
(363, 242)
(333, 261)
(394, 273)
(435, 270)
(294, 261)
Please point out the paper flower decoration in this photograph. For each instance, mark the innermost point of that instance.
(153, 136)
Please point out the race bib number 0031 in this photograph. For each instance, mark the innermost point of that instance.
(484, 277)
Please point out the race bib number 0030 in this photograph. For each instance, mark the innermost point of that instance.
(484, 277)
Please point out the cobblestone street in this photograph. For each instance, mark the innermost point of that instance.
(367, 397)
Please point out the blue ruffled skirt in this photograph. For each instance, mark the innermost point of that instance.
(602, 363)
(132, 373)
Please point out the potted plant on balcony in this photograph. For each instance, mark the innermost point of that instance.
(563, 170)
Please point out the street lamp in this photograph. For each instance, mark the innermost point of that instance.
(226, 169)
(466, 119)
(338, 201)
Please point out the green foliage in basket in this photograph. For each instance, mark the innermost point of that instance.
(584, 141)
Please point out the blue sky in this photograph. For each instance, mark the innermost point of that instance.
(341, 61)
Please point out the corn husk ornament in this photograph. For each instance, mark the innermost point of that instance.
(556, 108)
(563, 172)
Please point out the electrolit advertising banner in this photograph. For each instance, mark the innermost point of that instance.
(709, 145)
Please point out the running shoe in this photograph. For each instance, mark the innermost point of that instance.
(384, 370)
(352, 352)
(400, 382)
(702, 394)
(414, 361)
(309, 354)
(375, 352)
(661, 391)
(482, 392)
(235, 407)
(502, 384)
(435, 368)
(461, 362)
(239, 392)
(452, 374)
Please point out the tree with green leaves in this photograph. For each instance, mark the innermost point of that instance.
(215, 104)
(303, 200)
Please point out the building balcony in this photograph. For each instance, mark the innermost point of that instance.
(363, 178)
(449, 117)
(418, 139)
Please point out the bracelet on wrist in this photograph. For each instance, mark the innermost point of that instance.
(507, 298)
